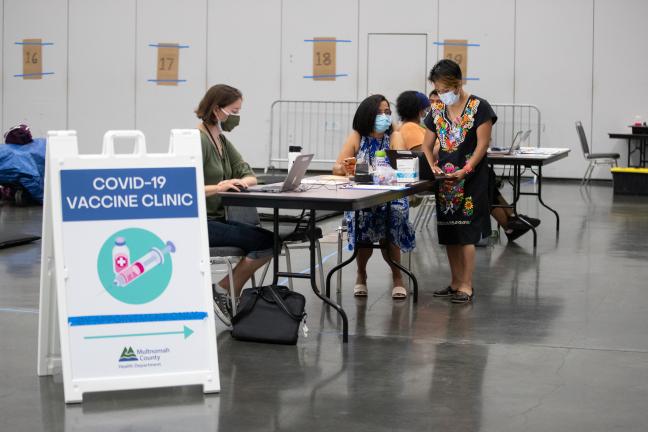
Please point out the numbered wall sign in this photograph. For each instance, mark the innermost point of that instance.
(125, 298)
(167, 64)
(457, 50)
(324, 67)
(32, 59)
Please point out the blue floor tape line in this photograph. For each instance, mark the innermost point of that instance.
(135, 318)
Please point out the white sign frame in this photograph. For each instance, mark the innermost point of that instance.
(54, 350)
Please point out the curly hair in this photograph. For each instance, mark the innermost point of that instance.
(408, 105)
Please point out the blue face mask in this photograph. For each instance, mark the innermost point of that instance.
(383, 122)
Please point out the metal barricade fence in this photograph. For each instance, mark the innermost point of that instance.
(512, 118)
(321, 127)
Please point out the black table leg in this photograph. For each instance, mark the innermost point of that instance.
(517, 192)
(276, 247)
(543, 203)
(346, 262)
(629, 146)
(312, 238)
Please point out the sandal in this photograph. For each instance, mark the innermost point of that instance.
(360, 290)
(399, 292)
(444, 292)
(462, 297)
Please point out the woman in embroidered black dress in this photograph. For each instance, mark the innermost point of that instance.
(463, 124)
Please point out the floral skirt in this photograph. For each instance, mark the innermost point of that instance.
(371, 225)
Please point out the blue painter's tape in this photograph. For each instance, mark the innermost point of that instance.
(34, 74)
(168, 46)
(328, 40)
(326, 76)
(457, 44)
(135, 318)
(472, 79)
(157, 80)
(34, 43)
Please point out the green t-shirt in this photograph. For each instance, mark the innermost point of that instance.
(217, 168)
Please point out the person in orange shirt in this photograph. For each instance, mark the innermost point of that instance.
(412, 106)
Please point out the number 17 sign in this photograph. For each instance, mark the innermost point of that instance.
(167, 64)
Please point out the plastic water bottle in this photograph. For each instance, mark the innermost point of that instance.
(120, 255)
(383, 172)
(380, 159)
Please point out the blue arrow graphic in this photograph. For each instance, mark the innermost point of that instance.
(186, 331)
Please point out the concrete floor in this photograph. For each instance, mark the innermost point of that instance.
(555, 341)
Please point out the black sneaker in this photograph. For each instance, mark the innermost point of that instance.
(223, 308)
(533, 221)
(461, 297)
(514, 233)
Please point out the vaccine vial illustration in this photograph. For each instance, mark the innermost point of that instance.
(120, 255)
(150, 260)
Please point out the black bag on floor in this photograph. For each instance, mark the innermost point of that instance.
(269, 314)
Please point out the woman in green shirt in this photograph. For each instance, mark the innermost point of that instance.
(225, 170)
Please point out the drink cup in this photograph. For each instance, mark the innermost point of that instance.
(350, 165)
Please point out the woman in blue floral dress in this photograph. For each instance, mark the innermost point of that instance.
(462, 122)
(372, 132)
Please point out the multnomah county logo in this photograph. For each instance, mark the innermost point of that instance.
(128, 355)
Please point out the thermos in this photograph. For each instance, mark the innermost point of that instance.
(293, 152)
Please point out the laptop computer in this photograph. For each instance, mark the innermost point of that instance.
(525, 137)
(293, 180)
(515, 144)
(425, 171)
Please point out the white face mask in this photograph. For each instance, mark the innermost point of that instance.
(449, 98)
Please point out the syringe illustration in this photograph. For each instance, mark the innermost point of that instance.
(150, 260)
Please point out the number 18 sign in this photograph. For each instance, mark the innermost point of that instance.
(324, 67)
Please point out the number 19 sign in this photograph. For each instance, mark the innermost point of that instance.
(125, 267)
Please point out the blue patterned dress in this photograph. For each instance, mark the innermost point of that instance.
(371, 222)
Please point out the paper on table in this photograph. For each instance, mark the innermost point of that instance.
(542, 150)
(326, 180)
(378, 187)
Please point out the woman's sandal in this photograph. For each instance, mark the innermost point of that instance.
(462, 297)
(360, 290)
(444, 292)
(399, 292)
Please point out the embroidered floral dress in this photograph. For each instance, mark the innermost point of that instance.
(371, 222)
(462, 207)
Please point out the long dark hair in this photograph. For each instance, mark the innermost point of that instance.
(365, 116)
